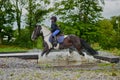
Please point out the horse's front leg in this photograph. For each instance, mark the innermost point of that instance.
(46, 48)
(48, 51)
(43, 52)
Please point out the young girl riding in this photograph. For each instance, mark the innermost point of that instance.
(55, 30)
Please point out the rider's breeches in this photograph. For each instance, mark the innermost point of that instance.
(55, 33)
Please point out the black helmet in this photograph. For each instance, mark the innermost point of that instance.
(54, 18)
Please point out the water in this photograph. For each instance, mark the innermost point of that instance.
(63, 58)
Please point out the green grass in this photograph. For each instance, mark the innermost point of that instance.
(113, 51)
(96, 46)
(105, 64)
(6, 48)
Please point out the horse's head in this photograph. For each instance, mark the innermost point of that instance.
(36, 32)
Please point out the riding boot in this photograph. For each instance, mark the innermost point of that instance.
(54, 41)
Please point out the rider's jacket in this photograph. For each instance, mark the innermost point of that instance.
(54, 27)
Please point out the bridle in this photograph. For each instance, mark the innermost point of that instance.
(41, 32)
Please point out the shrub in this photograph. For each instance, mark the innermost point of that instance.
(24, 40)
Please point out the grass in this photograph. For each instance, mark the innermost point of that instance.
(113, 51)
(96, 46)
(105, 64)
(6, 48)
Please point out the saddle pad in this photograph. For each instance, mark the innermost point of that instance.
(60, 39)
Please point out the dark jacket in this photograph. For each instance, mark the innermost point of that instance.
(54, 27)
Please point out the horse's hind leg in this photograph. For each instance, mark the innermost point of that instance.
(71, 49)
(79, 49)
(77, 44)
(80, 52)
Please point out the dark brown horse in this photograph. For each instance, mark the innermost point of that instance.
(70, 41)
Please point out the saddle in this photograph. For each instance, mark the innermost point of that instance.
(60, 38)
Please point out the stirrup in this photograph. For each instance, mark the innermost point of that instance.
(54, 44)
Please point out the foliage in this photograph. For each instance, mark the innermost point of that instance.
(19, 6)
(24, 40)
(39, 43)
(6, 17)
(87, 11)
(115, 20)
(6, 48)
(85, 31)
(8, 31)
(107, 34)
(36, 12)
(80, 17)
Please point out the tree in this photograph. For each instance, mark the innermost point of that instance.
(6, 16)
(80, 16)
(106, 34)
(85, 31)
(115, 20)
(19, 6)
(8, 31)
(87, 11)
(36, 12)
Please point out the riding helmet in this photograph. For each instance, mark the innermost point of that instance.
(54, 18)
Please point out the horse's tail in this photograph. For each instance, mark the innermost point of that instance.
(87, 47)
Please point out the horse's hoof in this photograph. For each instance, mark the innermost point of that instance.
(83, 54)
(46, 55)
(41, 55)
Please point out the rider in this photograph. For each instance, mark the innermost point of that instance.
(55, 30)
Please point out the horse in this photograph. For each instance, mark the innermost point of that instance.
(71, 42)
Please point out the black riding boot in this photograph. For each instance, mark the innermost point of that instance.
(54, 41)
